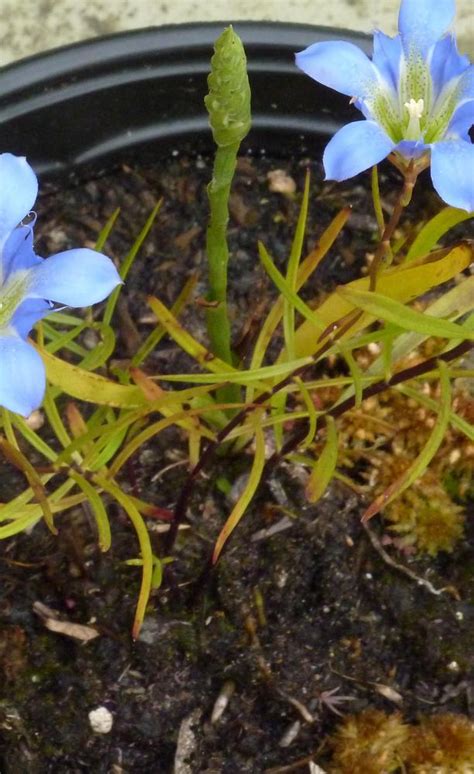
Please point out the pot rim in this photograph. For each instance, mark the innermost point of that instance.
(99, 100)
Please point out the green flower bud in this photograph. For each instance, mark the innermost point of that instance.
(228, 101)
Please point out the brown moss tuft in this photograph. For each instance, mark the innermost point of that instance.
(441, 744)
(368, 743)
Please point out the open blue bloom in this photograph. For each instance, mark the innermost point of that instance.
(417, 96)
(29, 286)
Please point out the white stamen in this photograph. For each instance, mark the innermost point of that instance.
(415, 108)
(415, 111)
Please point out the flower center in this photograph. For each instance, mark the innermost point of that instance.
(415, 108)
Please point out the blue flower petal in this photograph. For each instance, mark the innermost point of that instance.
(75, 278)
(445, 63)
(463, 115)
(466, 85)
(452, 173)
(18, 191)
(411, 149)
(387, 58)
(354, 148)
(22, 377)
(423, 22)
(27, 315)
(461, 122)
(18, 251)
(340, 66)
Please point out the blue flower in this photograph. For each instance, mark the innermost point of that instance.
(29, 286)
(417, 96)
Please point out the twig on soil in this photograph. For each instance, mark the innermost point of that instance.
(406, 570)
(220, 705)
(51, 621)
(306, 761)
(251, 628)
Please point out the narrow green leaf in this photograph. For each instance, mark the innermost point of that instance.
(157, 333)
(34, 439)
(145, 549)
(128, 261)
(385, 308)
(325, 465)
(377, 201)
(98, 509)
(249, 490)
(18, 459)
(289, 294)
(356, 374)
(292, 272)
(432, 231)
(418, 467)
(89, 386)
(106, 231)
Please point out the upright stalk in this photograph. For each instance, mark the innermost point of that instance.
(228, 105)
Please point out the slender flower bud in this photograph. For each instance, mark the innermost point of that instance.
(228, 101)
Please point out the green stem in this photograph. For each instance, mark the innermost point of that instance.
(218, 191)
(228, 105)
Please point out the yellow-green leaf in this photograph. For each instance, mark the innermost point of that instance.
(418, 467)
(325, 465)
(432, 231)
(89, 386)
(249, 489)
(402, 283)
(384, 308)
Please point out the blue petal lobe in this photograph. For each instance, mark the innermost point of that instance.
(27, 315)
(423, 22)
(461, 122)
(354, 148)
(75, 278)
(387, 58)
(22, 376)
(466, 85)
(18, 191)
(445, 63)
(452, 172)
(18, 251)
(340, 66)
(411, 149)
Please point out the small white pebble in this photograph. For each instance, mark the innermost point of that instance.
(36, 420)
(455, 456)
(453, 666)
(101, 720)
(280, 182)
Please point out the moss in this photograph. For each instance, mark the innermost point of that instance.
(368, 743)
(442, 743)
(373, 742)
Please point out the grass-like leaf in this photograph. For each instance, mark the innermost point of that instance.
(325, 465)
(394, 312)
(418, 467)
(249, 489)
(436, 228)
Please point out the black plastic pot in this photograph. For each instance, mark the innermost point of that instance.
(140, 94)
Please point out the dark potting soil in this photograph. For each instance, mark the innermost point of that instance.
(286, 617)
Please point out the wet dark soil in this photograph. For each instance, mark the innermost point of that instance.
(289, 615)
